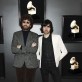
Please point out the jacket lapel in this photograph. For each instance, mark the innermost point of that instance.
(21, 38)
(54, 40)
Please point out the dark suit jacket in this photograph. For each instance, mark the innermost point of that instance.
(27, 54)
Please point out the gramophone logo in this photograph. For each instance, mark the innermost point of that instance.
(31, 8)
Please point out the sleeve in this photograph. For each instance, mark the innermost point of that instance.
(63, 49)
(33, 49)
(38, 51)
(14, 48)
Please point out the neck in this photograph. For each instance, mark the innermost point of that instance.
(46, 35)
(25, 30)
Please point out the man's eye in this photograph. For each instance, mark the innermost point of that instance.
(23, 22)
(28, 22)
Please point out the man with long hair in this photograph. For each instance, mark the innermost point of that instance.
(51, 50)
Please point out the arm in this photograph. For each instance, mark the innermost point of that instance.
(62, 48)
(38, 51)
(14, 48)
(33, 46)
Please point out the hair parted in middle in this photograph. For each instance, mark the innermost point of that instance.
(26, 17)
(45, 23)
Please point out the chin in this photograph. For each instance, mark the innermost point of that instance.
(25, 29)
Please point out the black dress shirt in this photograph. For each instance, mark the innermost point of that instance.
(25, 35)
(48, 58)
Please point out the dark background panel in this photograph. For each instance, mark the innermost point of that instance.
(1, 31)
(66, 71)
(39, 16)
(67, 35)
(2, 66)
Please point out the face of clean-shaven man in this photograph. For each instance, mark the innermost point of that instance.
(46, 29)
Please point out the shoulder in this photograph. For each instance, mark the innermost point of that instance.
(33, 34)
(17, 32)
(40, 37)
(56, 36)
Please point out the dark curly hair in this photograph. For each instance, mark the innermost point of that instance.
(26, 17)
(45, 23)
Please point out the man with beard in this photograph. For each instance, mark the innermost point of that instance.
(24, 46)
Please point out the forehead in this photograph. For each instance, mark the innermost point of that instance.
(48, 25)
(25, 20)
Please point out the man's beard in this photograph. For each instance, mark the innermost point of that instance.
(25, 28)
